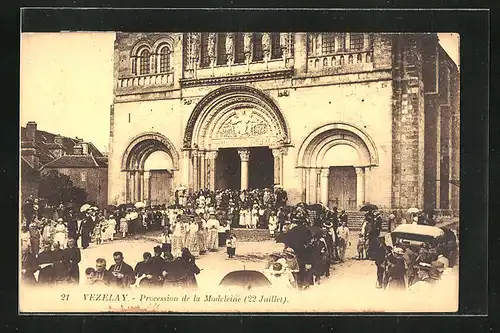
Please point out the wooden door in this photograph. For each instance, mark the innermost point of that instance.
(160, 187)
(342, 188)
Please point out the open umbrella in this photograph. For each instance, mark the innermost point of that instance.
(368, 208)
(140, 205)
(111, 207)
(125, 206)
(85, 207)
(413, 210)
(245, 279)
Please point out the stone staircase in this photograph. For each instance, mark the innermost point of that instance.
(356, 218)
(251, 235)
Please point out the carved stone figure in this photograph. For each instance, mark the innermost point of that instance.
(195, 45)
(247, 43)
(266, 42)
(229, 44)
(241, 123)
(211, 45)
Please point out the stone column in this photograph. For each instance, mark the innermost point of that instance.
(324, 186)
(278, 165)
(194, 156)
(244, 156)
(133, 186)
(307, 187)
(137, 186)
(211, 157)
(360, 186)
(145, 183)
(141, 186)
(313, 181)
(203, 170)
(127, 186)
(186, 168)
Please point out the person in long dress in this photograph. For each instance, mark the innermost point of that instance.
(177, 237)
(255, 217)
(29, 266)
(191, 268)
(111, 227)
(48, 231)
(185, 231)
(200, 235)
(242, 221)
(61, 233)
(213, 233)
(123, 227)
(193, 244)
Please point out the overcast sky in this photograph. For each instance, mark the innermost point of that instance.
(67, 82)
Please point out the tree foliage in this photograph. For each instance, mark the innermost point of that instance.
(56, 187)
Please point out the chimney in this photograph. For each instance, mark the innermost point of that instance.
(77, 149)
(85, 148)
(30, 131)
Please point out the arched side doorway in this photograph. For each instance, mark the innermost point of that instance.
(235, 124)
(138, 188)
(334, 159)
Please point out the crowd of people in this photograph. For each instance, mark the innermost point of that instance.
(400, 267)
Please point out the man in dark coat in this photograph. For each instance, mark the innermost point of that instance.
(122, 272)
(72, 224)
(29, 266)
(380, 252)
(72, 257)
(146, 268)
(46, 260)
(102, 275)
(86, 228)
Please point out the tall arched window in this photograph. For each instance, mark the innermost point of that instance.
(204, 58)
(276, 51)
(327, 43)
(239, 49)
(357, 42)
(165, 59)
(144, 62)
(221, 49)
(257, 55)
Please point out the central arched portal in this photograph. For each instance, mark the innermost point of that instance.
(149, 163)
(235, 138)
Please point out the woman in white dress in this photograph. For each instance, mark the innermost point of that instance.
(61, 234)
(242, 218)
(255, 217)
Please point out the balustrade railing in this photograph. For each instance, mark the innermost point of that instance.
(158, 79)
(338, 60)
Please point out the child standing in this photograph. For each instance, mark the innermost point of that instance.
(231, 245)
(96, 235)
(123, 227)
(361, 247)
(273, 223)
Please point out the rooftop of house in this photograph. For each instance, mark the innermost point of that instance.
(58, 150)
(76, 161)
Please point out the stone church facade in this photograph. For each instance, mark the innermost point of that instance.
(338, 118)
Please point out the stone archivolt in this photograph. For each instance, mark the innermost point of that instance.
(236, 116)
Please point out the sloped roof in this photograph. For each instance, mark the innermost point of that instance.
(72, 161)
(101, 161)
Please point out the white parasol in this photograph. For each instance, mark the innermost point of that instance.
(413, 210)
(84, 208)
(140, 205)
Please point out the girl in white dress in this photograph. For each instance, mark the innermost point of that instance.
(111, 227)
(242, 218)
(273, 223)
(255, 216)
(61, 234)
